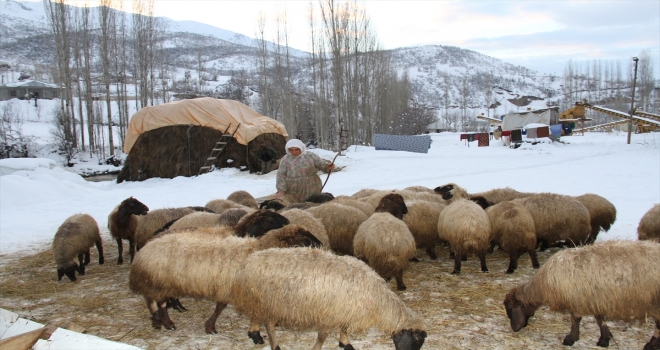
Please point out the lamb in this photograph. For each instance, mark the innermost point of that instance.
(123, 222)
(155, 220)
(312, 224)
(329, 293)
(558, 218)
(73, 239)
(243, 198)
(649, 225)
(617, 280)
(259, 222)
(422, 220)
(201, 266)
(601, 212)
(466, 227)
(513, 230)
(385, 242)
(341, 223)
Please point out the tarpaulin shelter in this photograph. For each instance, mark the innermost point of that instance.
(175, 139)
(546, 116)
(419, 144)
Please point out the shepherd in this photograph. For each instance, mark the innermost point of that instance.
(267, 155)
(297, 176)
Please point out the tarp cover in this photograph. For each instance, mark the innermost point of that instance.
(206, 111)
(519, 120)
(419, 144)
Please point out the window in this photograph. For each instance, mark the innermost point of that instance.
(12, 93)
(54, 94)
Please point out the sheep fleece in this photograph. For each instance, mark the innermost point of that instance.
(75, 236)
(465, 226)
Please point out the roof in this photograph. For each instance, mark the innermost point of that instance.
(31, 84)
(207, 111)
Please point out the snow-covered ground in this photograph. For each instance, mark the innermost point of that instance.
(36, 200)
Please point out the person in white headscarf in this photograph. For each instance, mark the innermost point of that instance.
(297, 176)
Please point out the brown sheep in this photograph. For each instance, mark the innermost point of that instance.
(466, 227)
(617, 280)
(341, 223)
(243, 198)
(154, 221)
(231, 217)
(328, 293)
(601, 212)
(311, 223)
(123, 222)
(201, 266)
(320, 198)
(392, 203)
(422, 220)
(649, 225)
(513, 230)
(259, 222)
(73, 239)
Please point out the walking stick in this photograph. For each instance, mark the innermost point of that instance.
(329, 172)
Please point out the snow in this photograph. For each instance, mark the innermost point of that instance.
(37, 197)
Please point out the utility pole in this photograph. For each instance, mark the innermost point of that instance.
(632, 100)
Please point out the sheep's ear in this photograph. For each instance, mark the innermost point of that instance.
(481, 201)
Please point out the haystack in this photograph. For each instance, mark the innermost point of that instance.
(175, 139)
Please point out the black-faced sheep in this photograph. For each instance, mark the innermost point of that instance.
(601, 212)
(465, 226)
(243, 198)
(154, 221)
(311, 223)
(422, 220)
(558, 219)
(329, 293)
(73, 239)
(452, 191)
(513, 230)
(649, 225)
(200, 265)
(617, 280)
(259, 222)
(320, 198)
(341, 223)
(123, 222)
(272, 204)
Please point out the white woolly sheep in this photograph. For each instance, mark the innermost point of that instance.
(346, 200)
(123, 222)
(601, 212)
(311, 223)
(73, 239)
(328, 293)
(422, 220)
(200, 265)
(220, 205)
(243, 198)
(154, 221)
(422, 189)
(465, 226)
(513, 230)
(366, 192)
(484, 199)
(341, 224)
(557, 219)
(617, 280)
(649, 225)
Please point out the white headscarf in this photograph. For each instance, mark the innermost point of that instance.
(295, 143)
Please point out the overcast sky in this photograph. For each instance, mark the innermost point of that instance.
(541, 35)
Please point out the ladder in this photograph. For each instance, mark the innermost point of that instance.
(217, 149)
(343, 134)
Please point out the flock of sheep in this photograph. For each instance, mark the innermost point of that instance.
(324, 264)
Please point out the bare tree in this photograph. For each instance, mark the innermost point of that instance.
(107, 24)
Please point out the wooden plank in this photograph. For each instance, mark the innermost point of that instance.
(26, 340)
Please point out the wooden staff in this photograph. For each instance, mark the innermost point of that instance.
(330, 171)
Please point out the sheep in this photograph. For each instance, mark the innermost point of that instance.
(341, 223)
(312, 224)
(392, 203)
(231, 217)
(259, 222)
(601, 212)
(220, 205)
(320, 198)
(73, 239)
(420, 189)
(466, 227)
(558, 218)
(350, 201)
(451, 192)
(243, 198)
(273, 204)
(617, 280)
(155, 220)
(484, 199)
(123, 222)
(513, 230)
(386, 244)
(649, 225)
(201, 266)
(328, 293)
(422, 221)
(368, 192)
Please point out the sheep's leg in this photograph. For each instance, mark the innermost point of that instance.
(210, 323)
(155, 315)
(165, 317)
(87, 257)
(457, 264)
(81, 265)
(131, 248)
(513, 262)
(254, 333)
(535, 259)
(120, 250)
(605, 334)
(320, 339)
(344, 342)
(574, 335)
(99, 247)
(270, 330)
(491, 249)
(430, 250)
(654, 343)
(482, 259)
(398, 276)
